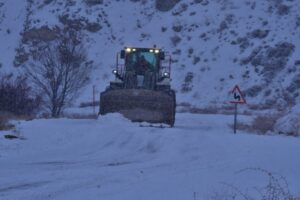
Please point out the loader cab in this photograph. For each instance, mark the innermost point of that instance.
(141, 60)
(142, 68)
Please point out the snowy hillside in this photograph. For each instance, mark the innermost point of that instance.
(112, 159)
(12, 17)
(215, 44)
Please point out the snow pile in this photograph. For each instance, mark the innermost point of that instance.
(289, 124)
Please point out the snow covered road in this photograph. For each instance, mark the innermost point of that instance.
(113, 159)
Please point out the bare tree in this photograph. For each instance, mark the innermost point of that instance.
(59, 70)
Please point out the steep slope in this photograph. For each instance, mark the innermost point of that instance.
(12, 17)
(214, 44)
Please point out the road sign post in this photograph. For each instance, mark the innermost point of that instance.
(238, 98)
(94, 101)
(235, 118)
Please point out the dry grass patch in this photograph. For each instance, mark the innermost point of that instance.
(4, 123)
(186, 107)
(89, 104)
(80, 116)
(261, 124)
(265, 123)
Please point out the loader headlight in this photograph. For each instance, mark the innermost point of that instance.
(114, 71)
(156, 51)
(166, 74)
(151, 50)
(128, 50)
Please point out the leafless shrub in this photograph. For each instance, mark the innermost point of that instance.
(283, 9)
(196, 59)
(16, 96)
(177, 27)
(258, 33)
(164, 29)
(93, 27)
(254, 90)
(165, 5)
(276, 188)
(59, 70)
(4, 125)
(175, 40)
(93, 2)
(187, 86)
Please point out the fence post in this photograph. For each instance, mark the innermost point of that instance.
(94, 109)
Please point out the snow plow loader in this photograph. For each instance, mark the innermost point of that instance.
(141, 90)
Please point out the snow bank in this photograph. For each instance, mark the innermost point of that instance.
(289, 124)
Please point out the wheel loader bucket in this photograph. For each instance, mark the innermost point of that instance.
(140, 105)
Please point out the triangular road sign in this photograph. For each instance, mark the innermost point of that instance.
(237, 96)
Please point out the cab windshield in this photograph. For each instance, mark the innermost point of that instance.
(138, 58)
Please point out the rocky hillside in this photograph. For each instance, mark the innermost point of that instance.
(214, 44)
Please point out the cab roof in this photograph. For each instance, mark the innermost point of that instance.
(142, 49)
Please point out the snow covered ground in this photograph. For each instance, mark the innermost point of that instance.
(112, 159)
